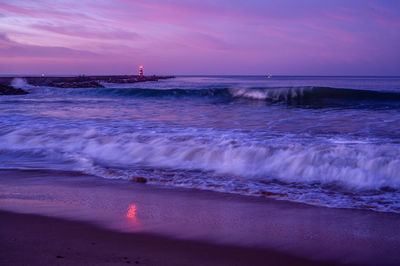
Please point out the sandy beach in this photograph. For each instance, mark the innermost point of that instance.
(36, 240)
(94, 221)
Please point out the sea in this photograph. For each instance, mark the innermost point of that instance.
(325, 141)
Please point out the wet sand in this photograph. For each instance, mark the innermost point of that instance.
(35, 240)
(91, 220)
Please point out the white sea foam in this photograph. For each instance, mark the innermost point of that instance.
(359, 166)
(273, 94)
(19, 83)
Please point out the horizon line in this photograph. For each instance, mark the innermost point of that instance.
(192, 75)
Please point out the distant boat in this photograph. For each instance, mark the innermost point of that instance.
(269, 76)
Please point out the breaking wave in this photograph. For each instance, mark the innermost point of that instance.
(290, 95)
(352, 165)
(313, 93)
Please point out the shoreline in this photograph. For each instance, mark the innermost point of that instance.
(39, 240)
(215, 219)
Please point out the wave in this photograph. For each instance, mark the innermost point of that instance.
(313, 93)
(350, 174)
(290, 95)
(136, 92)
(351, 165)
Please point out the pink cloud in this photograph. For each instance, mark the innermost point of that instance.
(10, 48)
(85, 32)
(14, 9)
(43, 12)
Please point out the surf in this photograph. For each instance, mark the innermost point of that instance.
(294, 96)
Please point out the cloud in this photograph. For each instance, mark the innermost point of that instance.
(275, 35)
(85, 32)
(45, 11)
(9, 48)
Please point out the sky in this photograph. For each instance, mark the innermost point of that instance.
(184, 37)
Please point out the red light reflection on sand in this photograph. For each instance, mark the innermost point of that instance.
(131, 216)
(131, 212)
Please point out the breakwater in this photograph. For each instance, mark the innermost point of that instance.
(81, 81)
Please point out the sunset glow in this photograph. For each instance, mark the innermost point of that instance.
(200, 37)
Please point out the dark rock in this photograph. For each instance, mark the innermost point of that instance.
(59, 257)
(271, 194)
(83, 81)
(139, 179)
(388, 189)
(8, 90)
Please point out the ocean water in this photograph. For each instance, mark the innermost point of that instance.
(327, 141)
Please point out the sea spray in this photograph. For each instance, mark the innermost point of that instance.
(19, 83)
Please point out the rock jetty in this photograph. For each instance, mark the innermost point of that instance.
(78, 81)
(9, 90)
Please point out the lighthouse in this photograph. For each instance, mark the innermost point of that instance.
(141, 71)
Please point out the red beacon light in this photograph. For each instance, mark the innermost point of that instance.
(140, 71)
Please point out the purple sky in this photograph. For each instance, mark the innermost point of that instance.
(305, 37)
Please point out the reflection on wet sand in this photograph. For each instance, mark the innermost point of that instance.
(131, 214)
